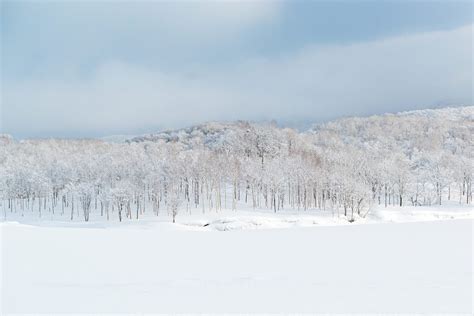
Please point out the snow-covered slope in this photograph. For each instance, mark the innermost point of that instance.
(211, 135)
(460, 113)
(214, 134)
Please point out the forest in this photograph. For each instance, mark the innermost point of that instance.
(347, 165)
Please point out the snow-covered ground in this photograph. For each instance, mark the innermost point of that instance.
(243, 220)
(408, 260)
(245, 217)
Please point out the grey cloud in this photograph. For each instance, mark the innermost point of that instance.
(314, 83)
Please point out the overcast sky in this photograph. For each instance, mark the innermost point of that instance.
(93, 68)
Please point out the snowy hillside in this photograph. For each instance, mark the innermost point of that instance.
(433, 130)
(212, 135)
(215, 134)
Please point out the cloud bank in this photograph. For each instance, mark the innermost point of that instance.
(313, 83)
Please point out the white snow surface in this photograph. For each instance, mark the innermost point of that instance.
(395, 260)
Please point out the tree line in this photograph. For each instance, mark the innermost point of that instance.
(344, 166)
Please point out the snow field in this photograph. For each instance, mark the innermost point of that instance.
(160, 267)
